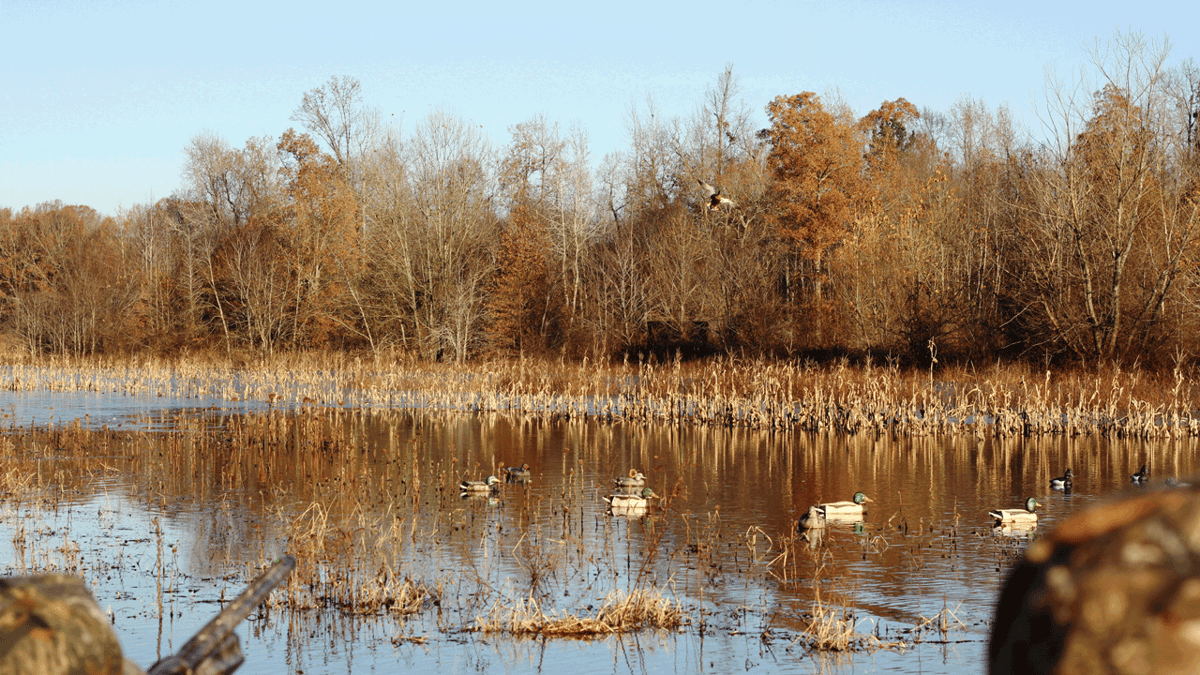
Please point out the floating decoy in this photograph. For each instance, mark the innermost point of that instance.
(1112, 589)
(517, 474)
(1063, 482)
(1014, 529)
(854, 507)
(1142, 476)
(492, 484)
(634, 479)
(1023, 516)
(813, 520)
(713, 195)
(630, 505)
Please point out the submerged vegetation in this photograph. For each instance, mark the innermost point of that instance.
(380, 533)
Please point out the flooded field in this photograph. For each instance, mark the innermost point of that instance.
(168, 508)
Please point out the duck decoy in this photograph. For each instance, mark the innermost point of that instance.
(492, 484)
(1112, 589)
(854, 507)
(630, 505)
(634, 479)
(1025, 516)
(713, 195)
(813, 520)
(517, 474)
(1142, 476)
(1063, 482)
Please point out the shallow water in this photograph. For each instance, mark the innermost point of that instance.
(188, 497)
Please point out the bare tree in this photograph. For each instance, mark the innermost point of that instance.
(1110, 227)
(227, 191)
(437, 233)
(335, 113)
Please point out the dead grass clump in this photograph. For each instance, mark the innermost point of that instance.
(15, 482)
(388, 593)
(941, 623)
(620, 613)
(833, 628)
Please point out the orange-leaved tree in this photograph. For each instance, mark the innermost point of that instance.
(815, 161)
(322, 236)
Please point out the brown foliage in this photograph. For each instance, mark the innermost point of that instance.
(322, 239)
(65, 283)
(816, 163)
(904, 231)
(520, 297)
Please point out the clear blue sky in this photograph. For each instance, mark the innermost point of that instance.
(99, 98)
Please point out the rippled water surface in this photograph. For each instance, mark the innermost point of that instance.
(181, 500)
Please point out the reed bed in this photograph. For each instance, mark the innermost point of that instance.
(780, 395)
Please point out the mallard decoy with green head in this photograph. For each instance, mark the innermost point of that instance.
(631, 505)
(1025, 516)
(854, 507)
(634, 479)
(1113, 589)
(1063, 482)
(517, 474)
(492, 484)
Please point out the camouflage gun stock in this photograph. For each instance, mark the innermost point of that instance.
(215, 649)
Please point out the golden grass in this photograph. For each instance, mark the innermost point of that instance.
(942, 623)
(833, 627)
(785, 395)
(620, 612)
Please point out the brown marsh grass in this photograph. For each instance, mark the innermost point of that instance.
(620, 612)
(833, 626)
(784, 395)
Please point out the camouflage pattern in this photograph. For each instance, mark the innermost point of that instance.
(1114, 589)
(51, 624)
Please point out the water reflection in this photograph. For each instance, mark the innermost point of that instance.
(370, 501)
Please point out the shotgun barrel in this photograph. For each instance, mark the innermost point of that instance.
(215, 648)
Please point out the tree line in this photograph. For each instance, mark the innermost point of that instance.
(920, 234)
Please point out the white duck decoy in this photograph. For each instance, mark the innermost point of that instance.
(854, 507)
(479, 487)
(1025, 516)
